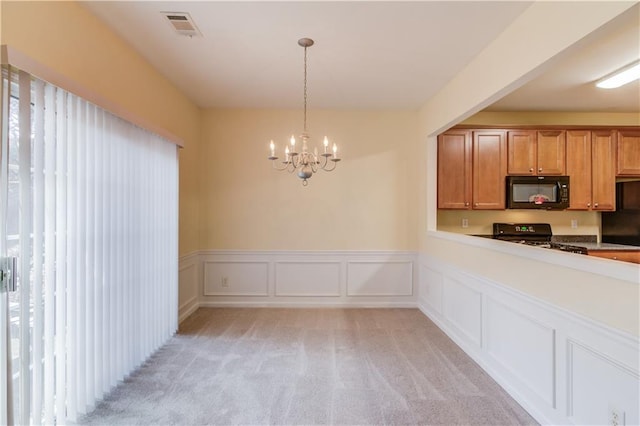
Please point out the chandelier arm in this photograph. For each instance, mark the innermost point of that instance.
(335, 164)
(286, 164)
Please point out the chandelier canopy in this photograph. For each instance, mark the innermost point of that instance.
(305, 163)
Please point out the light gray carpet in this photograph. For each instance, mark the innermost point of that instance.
(309, 366)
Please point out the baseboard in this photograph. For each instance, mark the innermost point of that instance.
(187, 309)
(327, 305)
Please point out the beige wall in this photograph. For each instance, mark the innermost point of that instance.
(480, 221)
(485, 80)
(368, 202)
(66, 38)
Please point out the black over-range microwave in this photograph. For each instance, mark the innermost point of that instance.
(538, 192)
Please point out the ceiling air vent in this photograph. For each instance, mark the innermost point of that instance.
(182, 23)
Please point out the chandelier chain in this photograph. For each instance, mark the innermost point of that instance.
(305, 89)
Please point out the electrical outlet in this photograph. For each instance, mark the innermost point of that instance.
(574, 223)
(616, 417)
(224, 282)
(465, 223)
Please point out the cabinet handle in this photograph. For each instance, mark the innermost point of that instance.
(531, 170)
(588, 204)
(540, 169)
(466, 204)
(476, 204)
(595, 205)
(615, 257)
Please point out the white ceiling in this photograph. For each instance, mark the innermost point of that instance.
(569, 83)
(382, 55)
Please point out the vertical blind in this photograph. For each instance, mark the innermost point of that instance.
(96, 237)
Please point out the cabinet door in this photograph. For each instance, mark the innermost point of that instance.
(489, 169)
(521, 152)
(551, 148)
(603, 178)
(454, 170)
(628, 151)
(579, 169)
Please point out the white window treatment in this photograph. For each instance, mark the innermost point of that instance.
(96, 236)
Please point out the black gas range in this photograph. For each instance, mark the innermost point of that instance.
(532, 234)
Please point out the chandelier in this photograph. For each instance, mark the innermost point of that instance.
(305, 163)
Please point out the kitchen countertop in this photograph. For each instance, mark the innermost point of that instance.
(587, 241)
(607, 246)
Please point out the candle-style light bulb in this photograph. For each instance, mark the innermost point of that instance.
(286, 153)
(326, 144)
(273, 149)
(293, 141)
(335, 151)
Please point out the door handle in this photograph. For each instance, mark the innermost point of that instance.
(8, 274)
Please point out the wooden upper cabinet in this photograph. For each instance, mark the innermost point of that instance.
(521, 152)
(628, 153)
(454, 170)
(590, 166)
(531, 152)
(551, 152)
(579, 169)
(489, 169)
(603, 178)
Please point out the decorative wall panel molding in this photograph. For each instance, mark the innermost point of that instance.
(380, 278)
(524, 346)
(463, 308)
(430, 289)
(236, 278)
(617, 387)
(561, 367)
(187, 285)
(320, 279)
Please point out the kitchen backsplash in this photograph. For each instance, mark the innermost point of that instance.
(479, 222)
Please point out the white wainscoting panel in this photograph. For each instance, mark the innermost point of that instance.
(561, 367)
(463, 308)
(431, 288)
(375, 278)
(188, 278)
(599, 385)
(236, 278)
(524, 346)
(320, 279)
(307, 278)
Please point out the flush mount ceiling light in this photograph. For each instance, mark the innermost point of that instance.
(304, 162)
(621, 77)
